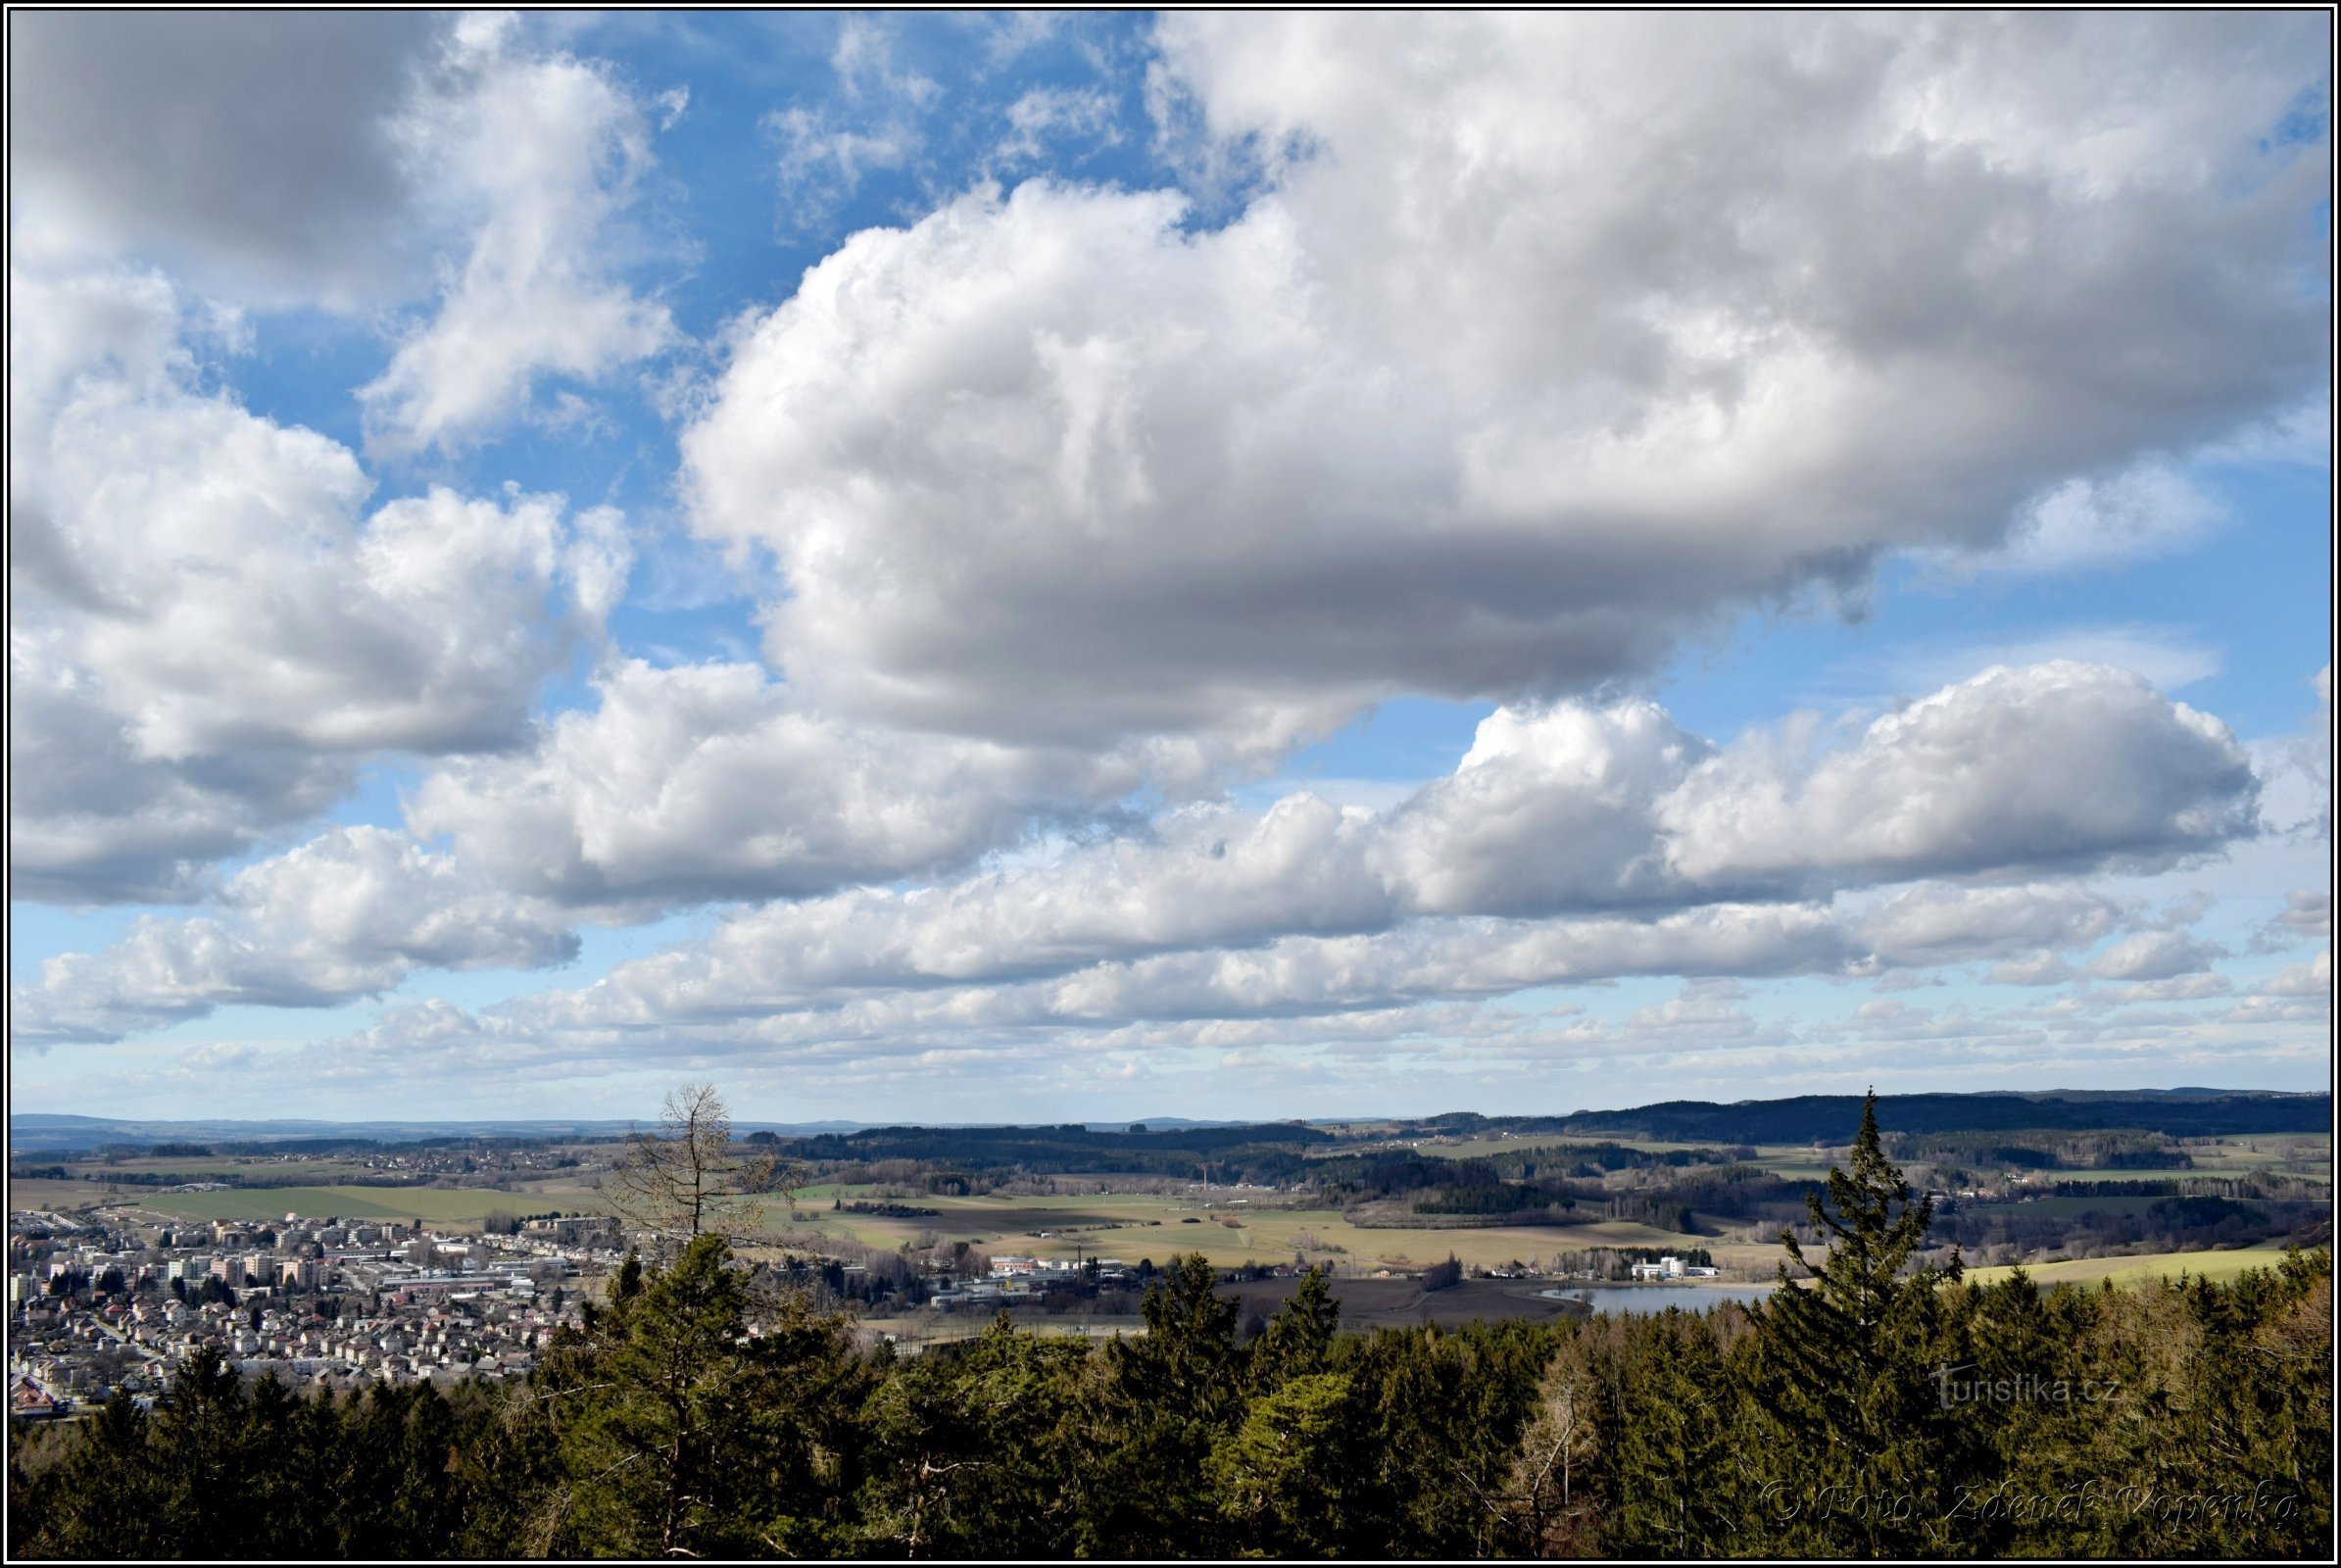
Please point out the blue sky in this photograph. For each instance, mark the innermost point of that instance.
(1000, 566)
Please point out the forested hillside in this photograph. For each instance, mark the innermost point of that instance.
(1824, 1117)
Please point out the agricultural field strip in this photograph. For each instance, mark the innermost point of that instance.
(1129, 1226)
(2216, 1266)
(441, 1205)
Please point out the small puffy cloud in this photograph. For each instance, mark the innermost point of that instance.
(1048, 114)
(822, 162)
(2174, 988)
(2313, 755)
(2155, 955)
(1937, 924)
(2148, 511)
(2314, 978)
(1691, 1019)
(2308, 915)
(711, 781)
(1892, 1021)
(2039, 969)
(873, 121)
(1549, 811)
(2055, 767)
(2301, 434)
(548, 149)
(863, 60)
(2301, 993)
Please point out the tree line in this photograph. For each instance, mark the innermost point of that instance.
(1878, 1408)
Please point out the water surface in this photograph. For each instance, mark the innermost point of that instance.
(1657, 1298)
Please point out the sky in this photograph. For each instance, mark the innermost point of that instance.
(1026, 568)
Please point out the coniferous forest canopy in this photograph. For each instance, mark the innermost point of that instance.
(708, 1407)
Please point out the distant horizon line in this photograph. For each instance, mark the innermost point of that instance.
(751, 1125)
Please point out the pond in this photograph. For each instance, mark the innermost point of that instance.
(1657, 1298)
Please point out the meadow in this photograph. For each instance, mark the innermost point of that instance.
(2132, 1270)
(439, 1205)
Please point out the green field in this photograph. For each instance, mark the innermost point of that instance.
(2310, 1158)
(431, 1205)
(214, 1167)
(2140, 1266)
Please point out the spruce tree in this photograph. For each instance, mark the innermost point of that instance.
(1675, 1439)
(1299, 1339)
(1281, 1475)
(1173, 1394)
(1846, 1370)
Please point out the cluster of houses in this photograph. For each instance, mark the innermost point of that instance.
(93, 1307)
(1670, 1268)
(1013, 1279)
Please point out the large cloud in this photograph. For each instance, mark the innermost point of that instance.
(1304, 986)
(207, 635)
(715, 782)
(1527, 355)
(705, 782)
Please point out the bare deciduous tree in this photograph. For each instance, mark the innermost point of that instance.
(1547, 1504)
(688, 1178)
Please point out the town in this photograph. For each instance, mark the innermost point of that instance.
(97, 1305)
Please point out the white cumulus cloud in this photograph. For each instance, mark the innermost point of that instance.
(348, 915)
(1525, 358)
(208, 631)
(547, 149)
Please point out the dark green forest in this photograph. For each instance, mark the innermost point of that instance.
(1883, 1409)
